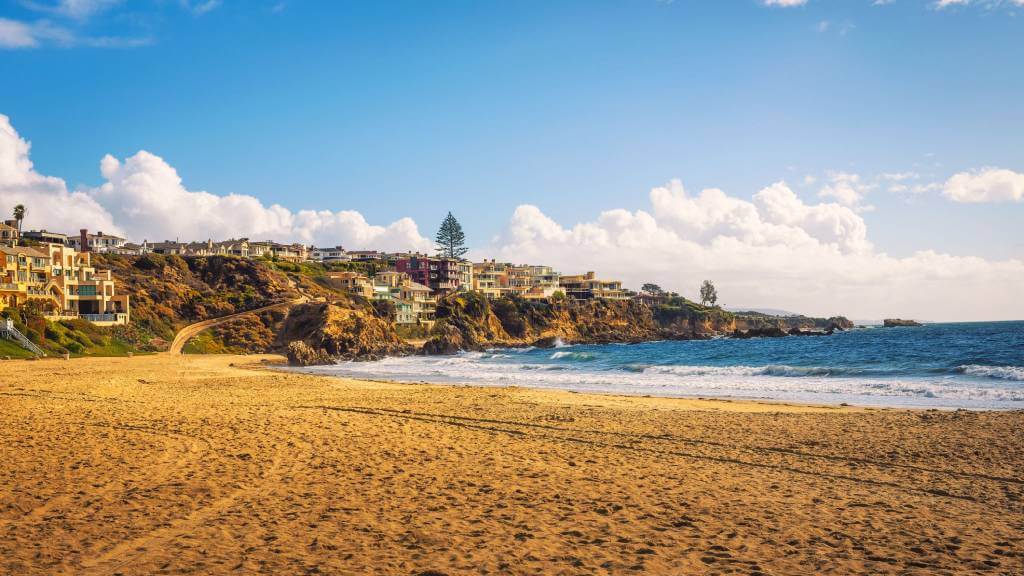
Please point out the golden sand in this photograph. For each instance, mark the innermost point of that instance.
(190, 465)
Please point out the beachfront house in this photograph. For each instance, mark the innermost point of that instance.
(64, 283)
(325, 255)
(588, 286)
(99, 242)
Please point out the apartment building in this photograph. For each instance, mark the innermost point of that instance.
(588, 286)
(490, 278)
(352, 282)
(64, 282)
(439, 274)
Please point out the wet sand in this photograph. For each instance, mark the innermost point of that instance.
(216, 465)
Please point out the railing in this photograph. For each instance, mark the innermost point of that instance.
(10, 332)
(6, 286)
(114, 317)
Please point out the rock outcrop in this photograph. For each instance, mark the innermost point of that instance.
(894, 322)
(333, 332)
(301, 354)
(470, 321)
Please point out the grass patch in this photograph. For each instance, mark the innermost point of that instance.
(205, 343)
(12, 349)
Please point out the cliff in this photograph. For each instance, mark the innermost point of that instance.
(469, 321)
(320, 333)
(167, 293)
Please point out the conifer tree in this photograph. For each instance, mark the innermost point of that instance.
(451, 241)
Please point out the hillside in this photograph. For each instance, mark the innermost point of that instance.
(167, 293)
(170, 292)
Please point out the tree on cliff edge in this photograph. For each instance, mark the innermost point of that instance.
(451, 241)
(708, 293)
(651, 288)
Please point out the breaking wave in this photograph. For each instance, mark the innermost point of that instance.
(947, 366)
(1015, 373)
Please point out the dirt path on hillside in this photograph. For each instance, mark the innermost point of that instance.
(193, 330)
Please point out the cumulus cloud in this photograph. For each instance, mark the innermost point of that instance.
(144, 198)
(848, 190)
(48, 202)
(775, 250)
(985, 185)
(784, 3)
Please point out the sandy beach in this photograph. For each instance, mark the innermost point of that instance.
(218, 465)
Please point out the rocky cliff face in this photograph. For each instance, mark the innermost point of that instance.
(469, 321)
(169, 292)
(329, 332)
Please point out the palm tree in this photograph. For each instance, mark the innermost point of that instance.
(19, 215)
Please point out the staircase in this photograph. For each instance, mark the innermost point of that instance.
(8, 331)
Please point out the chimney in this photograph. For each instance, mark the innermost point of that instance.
(84, 236)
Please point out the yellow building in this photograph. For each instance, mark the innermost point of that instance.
(352, 282)
(587, 286)
(63, 281)
(9, 232)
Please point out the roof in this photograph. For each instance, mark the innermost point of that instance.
(24, 250)
(4, 226)
(417, 286)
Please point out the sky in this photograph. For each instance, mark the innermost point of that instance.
(858, 157)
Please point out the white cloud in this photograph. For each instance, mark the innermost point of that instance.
(200, 7)
(784, 3)
(940, 4)
(144, 198)
(848, 190)
(985, 185)
(15, 35)
(775, 250)
(771, 250)
(76, 9)
(48, 202)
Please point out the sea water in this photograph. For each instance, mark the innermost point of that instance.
(962, 365)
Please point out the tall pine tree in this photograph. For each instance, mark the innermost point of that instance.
(451, 241)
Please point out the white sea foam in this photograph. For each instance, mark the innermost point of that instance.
(772, 382)
(572, 356)
(1015, 373)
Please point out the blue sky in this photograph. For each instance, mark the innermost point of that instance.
(399, 109)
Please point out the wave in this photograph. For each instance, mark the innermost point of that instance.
(1015, 373)
(771, 370)
(582, 356)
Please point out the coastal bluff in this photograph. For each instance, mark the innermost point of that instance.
(170, 292)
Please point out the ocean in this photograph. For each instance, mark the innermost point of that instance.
(962, 365)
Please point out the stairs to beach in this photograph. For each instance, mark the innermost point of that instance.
(8, 331)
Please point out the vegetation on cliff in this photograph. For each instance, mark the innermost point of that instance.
(469, 321)
(331, 332)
